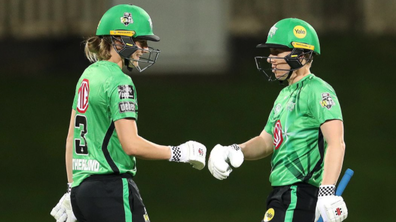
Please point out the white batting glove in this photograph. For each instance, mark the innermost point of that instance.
(190, 152)
(63, 211)
(220, 159)
(331, 207)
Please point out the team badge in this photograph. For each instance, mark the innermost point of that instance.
(272, 31)
(269, 215)
(278, 135)
(83, 92)
(327, 101)
(127, 19)
(125, 92)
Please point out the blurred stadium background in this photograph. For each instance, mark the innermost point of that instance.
(204, 87)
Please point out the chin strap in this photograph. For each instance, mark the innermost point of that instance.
(127, 61)
(294, 61)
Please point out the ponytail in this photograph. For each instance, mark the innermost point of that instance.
(97, 48)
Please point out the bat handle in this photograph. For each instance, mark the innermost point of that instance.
(342, 185)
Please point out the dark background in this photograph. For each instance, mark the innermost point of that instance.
(37, 86)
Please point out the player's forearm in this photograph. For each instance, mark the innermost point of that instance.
(333, 163)
(69, 148)
(256, 148)
(69, 159)
(141, 148)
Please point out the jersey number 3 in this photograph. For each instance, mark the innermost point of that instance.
(81, 123)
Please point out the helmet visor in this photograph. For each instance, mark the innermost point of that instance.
(143, 58)
(264, 65)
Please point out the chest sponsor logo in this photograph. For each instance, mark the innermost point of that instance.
(278, 135)
(125, 92)
(327, 101)
(269, 215)
(83, 93)
(126, 107)
(290, 106)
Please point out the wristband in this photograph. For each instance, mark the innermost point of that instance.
(236, 147)
(175, 154)
(326, 190)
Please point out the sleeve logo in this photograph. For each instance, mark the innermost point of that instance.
(83, 92)
(327, 101)
(126, 107)
(278, 136)
(125, 92)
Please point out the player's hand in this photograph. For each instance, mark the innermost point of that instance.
(220, 159)
(63, 211)
(332, 208)
(190, 152)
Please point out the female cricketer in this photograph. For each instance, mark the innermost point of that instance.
(304, 132)
(103, 141)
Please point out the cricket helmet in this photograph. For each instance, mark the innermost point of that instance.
(291, 34)
(129, 23)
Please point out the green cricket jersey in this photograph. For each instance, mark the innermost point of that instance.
(103, 95)
(294, 123)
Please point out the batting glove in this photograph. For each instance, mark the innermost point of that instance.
(190, 152)
(331, 207)
(222, 158)
(63, 211)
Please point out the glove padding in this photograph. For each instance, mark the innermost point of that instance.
(63, 211)
(220, 159)
(190, 152)
(332, 208)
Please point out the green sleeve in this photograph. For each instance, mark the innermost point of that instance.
(122, 98)
(324, 103)
(269, 126)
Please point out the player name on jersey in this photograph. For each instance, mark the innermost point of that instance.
(87, 165)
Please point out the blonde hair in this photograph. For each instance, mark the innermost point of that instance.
(97, 48)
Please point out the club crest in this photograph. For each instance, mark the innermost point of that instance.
(272, 31)
(127, 19)
(327, 101)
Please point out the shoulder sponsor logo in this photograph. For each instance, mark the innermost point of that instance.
(278, 135)
(83, 93)
(126, 107)
(327, 101)
(269, 215)
(125, 92)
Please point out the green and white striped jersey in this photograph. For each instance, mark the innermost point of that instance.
(294, 123)
(103, 95)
